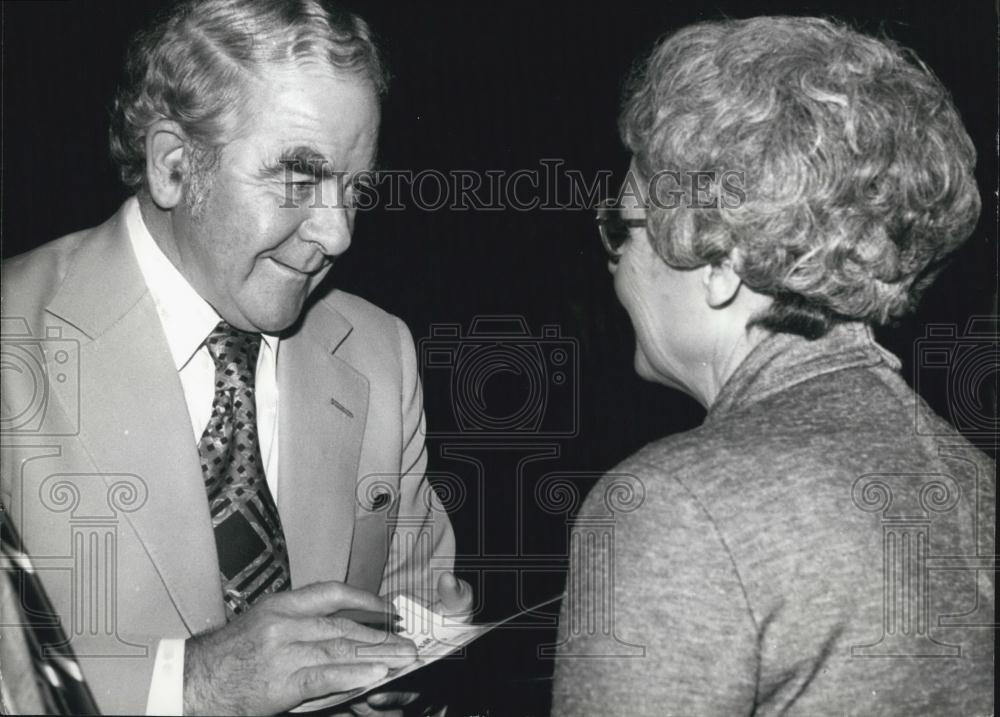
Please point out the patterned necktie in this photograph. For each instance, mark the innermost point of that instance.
(253, 559)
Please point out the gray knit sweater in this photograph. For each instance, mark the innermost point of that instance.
(811, 549)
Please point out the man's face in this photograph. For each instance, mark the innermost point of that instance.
(245, 248)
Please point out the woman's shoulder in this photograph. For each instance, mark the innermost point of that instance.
(779, 456)
(668, 477)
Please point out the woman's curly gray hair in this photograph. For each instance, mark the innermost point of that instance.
(857, 171)
(194, 62)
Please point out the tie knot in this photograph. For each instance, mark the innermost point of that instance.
(235, 355)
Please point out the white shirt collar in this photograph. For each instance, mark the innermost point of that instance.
(186, 317)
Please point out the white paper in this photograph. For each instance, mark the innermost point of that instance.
(435, 637)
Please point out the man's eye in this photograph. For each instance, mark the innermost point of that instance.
(304, 186)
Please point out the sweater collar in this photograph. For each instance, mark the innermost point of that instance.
(783, 360)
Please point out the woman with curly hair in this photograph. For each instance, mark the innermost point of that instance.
(780, 558)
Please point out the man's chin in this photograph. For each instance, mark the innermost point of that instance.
(275, 325)
(272, 321)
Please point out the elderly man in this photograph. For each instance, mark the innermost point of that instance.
(222, 460)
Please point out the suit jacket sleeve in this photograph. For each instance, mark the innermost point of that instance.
(423, 543)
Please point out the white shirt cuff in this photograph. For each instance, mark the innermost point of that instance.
(166, 689)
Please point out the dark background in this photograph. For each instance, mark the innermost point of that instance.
(497, 88)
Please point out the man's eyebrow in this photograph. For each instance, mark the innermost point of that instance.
(302, 160)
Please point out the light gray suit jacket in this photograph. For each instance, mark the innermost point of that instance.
(102, 477)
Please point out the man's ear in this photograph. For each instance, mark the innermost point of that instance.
(166, 163)
(721, 283)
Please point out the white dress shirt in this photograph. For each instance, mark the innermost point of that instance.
(187, 321)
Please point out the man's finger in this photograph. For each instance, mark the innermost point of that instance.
(363, 709)
(393, 653)
(317, 628)
(454, 597)
(320, 680)
(384, 700)
(326, 598)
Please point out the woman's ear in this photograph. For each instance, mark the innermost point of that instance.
(166, 149)
(721, 282)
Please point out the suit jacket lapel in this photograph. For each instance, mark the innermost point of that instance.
(323, 403)
(134, 419)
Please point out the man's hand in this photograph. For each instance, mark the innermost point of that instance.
(287, 649)
(454, 601)
(454, 598)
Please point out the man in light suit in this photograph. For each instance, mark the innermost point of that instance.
(205, 459)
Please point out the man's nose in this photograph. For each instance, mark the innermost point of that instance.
(329, 228)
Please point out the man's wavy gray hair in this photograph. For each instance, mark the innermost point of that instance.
(194, 63)
(858, 172)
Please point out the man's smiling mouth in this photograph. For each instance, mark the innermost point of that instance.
(309, 270)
